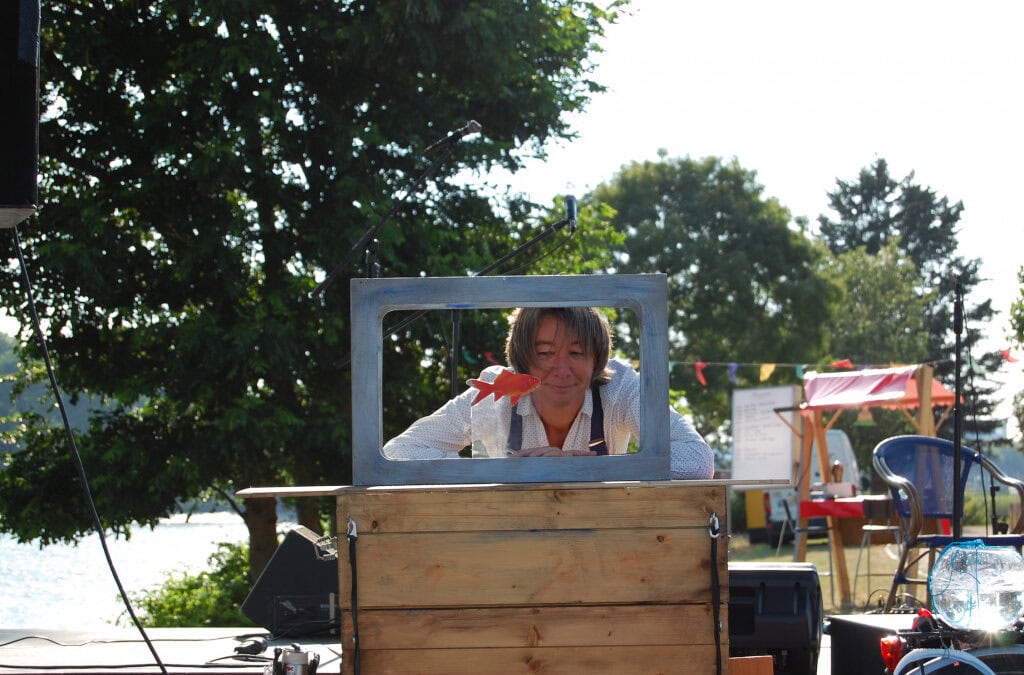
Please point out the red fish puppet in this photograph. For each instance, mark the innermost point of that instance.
(513, 385)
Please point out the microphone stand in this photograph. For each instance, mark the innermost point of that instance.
(958, 326)
(538, 238)
(569, 220)
(371, 234)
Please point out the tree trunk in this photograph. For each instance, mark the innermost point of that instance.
(261, 520)
(308, 514)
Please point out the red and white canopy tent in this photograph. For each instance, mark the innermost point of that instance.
(904, 388)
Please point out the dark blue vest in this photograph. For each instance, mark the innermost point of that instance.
(597, 444)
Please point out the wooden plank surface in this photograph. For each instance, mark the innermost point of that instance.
(558, 506)
(512, 627)
(550, 578)
(545, 567)
(638, 660)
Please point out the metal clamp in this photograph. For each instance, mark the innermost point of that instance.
(714, 529)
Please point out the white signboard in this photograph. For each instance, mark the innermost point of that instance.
(764, 446)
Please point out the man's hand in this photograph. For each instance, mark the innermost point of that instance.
(548, 451)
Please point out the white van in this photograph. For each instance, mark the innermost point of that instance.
(764, 509)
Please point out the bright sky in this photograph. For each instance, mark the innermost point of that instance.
(804, 93)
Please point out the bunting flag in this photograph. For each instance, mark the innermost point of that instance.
(1010, 358)
(699, 367)
(800, 370)
(467, 357)
(842, 363)
(766, 370)
(732, 372)
(490, 357)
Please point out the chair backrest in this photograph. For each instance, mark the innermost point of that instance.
(928, 464)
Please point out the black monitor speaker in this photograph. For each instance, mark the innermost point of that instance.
(19, 109)
(297, 592)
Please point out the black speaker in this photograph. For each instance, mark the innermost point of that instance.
(19, 109)
(776, 609)
(297, 593)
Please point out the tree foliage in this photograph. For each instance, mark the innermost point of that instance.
(203, 166)
(879, 317)
(1017, 325)
(880, 310)
(875, 210)
(210, 598)
(742, 282)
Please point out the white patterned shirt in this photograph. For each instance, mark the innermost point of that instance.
(485, 426)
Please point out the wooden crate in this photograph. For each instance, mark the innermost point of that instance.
(527, 578)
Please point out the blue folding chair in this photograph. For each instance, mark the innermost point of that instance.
(919, 473)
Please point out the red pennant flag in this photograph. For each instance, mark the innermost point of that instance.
(490, 357)
(699, 367)
(842, 363)
(1008, 356)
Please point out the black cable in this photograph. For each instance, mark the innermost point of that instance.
(129, 666)
(353, 535)
(102, 641)
(74, 449)
(714, 531)
(565, 240)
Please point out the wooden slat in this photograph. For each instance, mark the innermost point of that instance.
(547, 567)
(511, 627)
(639, 660)
(562, 506)
(752, 665)
(289, 492)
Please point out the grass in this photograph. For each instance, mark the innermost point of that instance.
(870, 592)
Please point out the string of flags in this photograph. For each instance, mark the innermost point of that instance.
(765, 370)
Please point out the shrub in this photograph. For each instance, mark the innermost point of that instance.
(210, 598)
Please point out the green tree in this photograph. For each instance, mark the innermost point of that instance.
(878, 319)
(203, 166)
(880, 312)
(743, 284)
(1017, 325)
(875, 209)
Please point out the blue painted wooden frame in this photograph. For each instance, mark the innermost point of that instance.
(372, 299)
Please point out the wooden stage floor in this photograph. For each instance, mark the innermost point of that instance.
(120, 650)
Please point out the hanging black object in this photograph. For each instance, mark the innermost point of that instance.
(19, 110)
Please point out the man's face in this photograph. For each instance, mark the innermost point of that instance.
(561, 363)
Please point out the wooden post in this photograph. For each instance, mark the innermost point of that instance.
(806, 445)
(925, 416)
(840, 576)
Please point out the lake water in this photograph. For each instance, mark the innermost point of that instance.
(64, 586)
